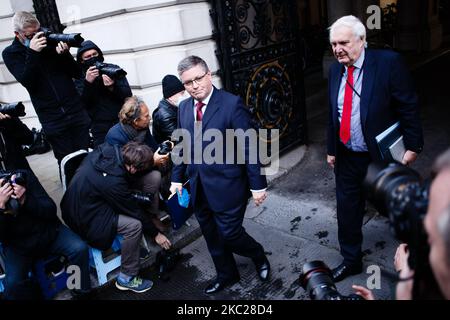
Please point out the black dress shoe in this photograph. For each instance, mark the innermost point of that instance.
(343, 271)
(263, 270)
(219, 285)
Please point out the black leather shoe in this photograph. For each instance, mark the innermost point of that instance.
(343, 271)
(263, 270)
(219, 285)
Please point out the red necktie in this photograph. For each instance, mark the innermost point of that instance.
(199, 105)
(347, 111)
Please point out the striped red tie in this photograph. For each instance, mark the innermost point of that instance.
(347, 110)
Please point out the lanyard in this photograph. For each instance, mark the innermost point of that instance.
(359, 76)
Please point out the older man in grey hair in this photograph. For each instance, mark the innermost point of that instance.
(369, 91)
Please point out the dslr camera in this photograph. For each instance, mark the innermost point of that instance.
(72, 39)
(317, 280)
(399, 193)
(166, 261)
(165, 148)
(111, 70)
(13, 205)
(13, 109)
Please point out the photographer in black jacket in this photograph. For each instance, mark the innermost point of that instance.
(165, 116)
(32, 232)
(99, 205)
(101, 95)
(13, 134)
(47, 73)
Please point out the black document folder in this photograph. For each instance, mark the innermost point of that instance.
(390, 143)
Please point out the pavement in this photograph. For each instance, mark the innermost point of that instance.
(297, 223)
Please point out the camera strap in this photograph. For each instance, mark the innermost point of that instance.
(3, 152)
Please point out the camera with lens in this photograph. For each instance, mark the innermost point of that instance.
(399, 193)
(166, 261)
(165, 148)
(13, 205)
(13, 109)
(111, 70)
(142, 198)
(72, 39)
(317, 280)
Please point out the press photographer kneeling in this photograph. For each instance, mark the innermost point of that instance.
(30, 230)
(100, 204)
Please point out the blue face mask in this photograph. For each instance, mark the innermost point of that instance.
(27, 43)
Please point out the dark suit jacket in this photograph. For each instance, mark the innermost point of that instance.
(226, 186)
(387, 96)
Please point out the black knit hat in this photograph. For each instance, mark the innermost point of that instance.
(171, 85)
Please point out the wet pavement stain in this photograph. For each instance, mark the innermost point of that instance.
(322, 234)
(290, 293)
(295, 223)
(294, 254)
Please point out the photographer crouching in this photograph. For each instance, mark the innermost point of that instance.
(134, 126)
(99, 204)
(30, 230)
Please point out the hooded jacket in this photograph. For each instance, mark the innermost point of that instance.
(165, 119)
(98, 193)
(102, 104)
(48, 77)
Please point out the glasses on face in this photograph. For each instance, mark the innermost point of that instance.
(190, 83)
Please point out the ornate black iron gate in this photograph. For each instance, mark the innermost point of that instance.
(261, 62)
(47, 14)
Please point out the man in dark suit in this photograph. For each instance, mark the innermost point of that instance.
(369, 91)
(219, 191)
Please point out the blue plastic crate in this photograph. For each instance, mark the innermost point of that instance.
(50, 282)
(101, 267)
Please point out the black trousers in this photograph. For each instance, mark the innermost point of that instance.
(224, 236)
(351, 169)
(69, 138)
(100, 129)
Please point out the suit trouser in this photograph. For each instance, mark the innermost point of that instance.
(351, 169)
(68, 139)
(225, 235)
